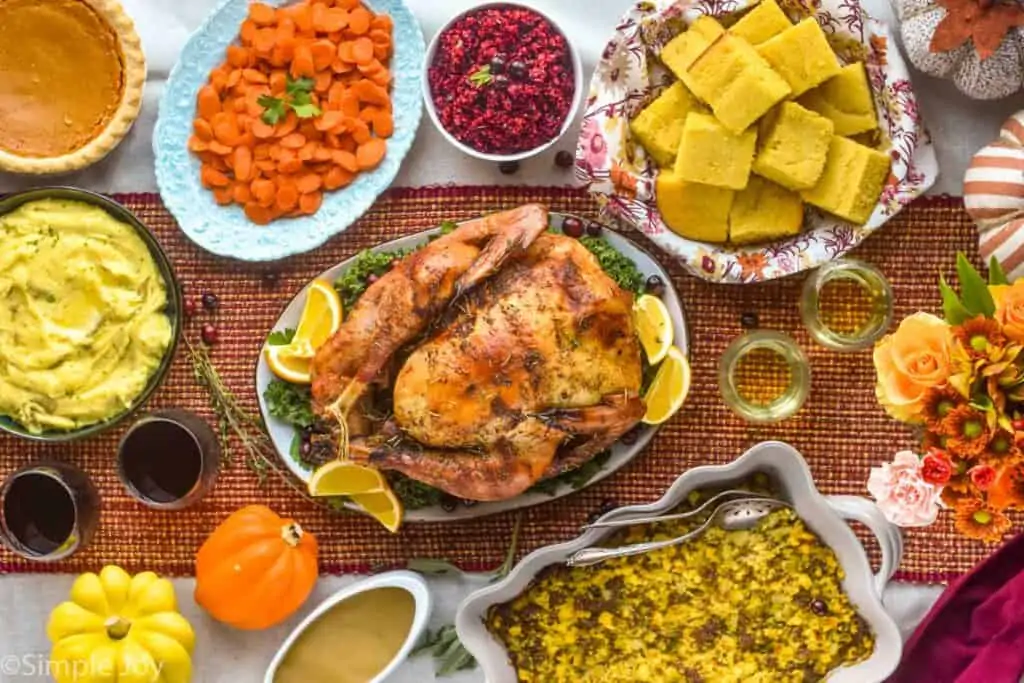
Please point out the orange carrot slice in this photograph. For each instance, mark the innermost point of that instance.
(362, 50)
(370, 153)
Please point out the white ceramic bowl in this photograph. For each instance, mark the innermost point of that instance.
(825, 515)
(577, 97)
(407, 581)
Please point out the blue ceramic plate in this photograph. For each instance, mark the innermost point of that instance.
(224, 230)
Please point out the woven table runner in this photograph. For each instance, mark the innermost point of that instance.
(841, 430)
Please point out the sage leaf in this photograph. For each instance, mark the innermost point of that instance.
(952, 307)
(973, 289)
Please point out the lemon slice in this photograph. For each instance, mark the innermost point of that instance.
(653, 326)
(343, 478)
(321, 317)
(384, 506)
(288, 366)
(668, 391)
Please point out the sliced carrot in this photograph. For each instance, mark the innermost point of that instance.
(238, 56)
(362, 50)
(293, 140)
(265, 40)
(383, 124)
(202, 129)
(226, 133)
(337, 177)
(247, 34)
(285, 31)
(370, 93)
(303, 64)
(322, 81)
(219, 148)
(306, 151)
(254, 76)
(288, 125)
(241, 193)
(370, 153)
(345, 159)
(310, 182)
(381, 78)
(322, 154)
(382, 22)
(347, 4)
(262, 129)
(278, 80)
(243, 163)
(381, 51)
(261, 151)
(266, 165)
(359, 21)
(346, 51)
(323, 52)
(208, 102)
(258, 214)
(340, 66)
(263, 191)
(303, 16)
(262, 14)
(211, 177)
(282, 55)
(360, 131)
(223, 195)
(197, 144)
(328, 120)
(335, 92)
(334, 20)
(287, 197)
(347, 143)
(310, 203)
(350, 103)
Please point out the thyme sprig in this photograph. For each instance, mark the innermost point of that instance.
(234, 420)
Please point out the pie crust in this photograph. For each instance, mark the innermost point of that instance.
(116, 118)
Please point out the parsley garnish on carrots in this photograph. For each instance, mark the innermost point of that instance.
(298, 99)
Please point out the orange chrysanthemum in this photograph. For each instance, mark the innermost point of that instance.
(978, 335)
(977, 519)
(1001, 449)
(938, 404)
(959, 486)
(967, 432)
(1008, 490)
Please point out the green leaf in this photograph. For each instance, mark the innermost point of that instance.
(481, 76)
(290, 403)
(973, 289)
(273, 109)
(952, 308)
(996, 276)
(306, 111)
(281, 337)
(299, 86)
(983, 403)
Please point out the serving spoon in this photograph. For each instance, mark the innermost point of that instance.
(734, 515)
(703, 507)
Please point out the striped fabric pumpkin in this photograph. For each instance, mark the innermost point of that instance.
(994, 196)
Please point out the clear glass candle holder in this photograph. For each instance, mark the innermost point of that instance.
(764, 376)
(846, 305)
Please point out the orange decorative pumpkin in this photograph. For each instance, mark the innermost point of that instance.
(256, 569)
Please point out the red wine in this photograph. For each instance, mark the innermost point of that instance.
(162, 461)
(39, 512)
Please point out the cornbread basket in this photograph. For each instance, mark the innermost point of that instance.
(617, 170)
(826, 516)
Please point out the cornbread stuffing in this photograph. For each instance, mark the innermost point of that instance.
(752, 606)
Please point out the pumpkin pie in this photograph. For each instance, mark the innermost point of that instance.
(71, 80)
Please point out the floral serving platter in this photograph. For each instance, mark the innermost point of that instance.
(618, 172)
(224, 230)
(281, 433)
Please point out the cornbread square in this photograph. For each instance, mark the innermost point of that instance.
(763, 212)
(852, 182)
(801, 54)
(736, 82)
(660, 125)
(695, 211)
(761, 23)
(682, 51)
(793, 147)
(713, 155)
(845, 99)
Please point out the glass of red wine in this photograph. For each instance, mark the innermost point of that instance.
(168, 459)
(48, 510)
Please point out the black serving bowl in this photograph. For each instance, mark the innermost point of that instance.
(173, 309)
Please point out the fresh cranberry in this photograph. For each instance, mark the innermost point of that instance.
(190, 308)
(564, 159)
(209, 334)
(210, 301)
(572, 227)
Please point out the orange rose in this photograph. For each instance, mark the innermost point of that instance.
(1010, 309)
(909, 362)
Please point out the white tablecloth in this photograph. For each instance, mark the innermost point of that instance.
(958, 126)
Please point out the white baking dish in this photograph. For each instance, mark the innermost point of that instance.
(827, 516)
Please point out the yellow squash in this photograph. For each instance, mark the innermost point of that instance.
(118, 628)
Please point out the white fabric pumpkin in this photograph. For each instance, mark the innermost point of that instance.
(1001, 75)
(994, 197)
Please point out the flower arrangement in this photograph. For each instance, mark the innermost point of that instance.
(961, 381)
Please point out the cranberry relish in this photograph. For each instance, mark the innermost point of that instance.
(502, 80)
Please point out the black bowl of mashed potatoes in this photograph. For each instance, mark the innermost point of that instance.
(90, 314)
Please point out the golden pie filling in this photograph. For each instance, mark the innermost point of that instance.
(61, 76)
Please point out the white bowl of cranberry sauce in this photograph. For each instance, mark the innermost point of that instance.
(502, 82)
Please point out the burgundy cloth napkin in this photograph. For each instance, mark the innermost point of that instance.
(975, 632)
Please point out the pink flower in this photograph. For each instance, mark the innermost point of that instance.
(903, 495)
(593, 145)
